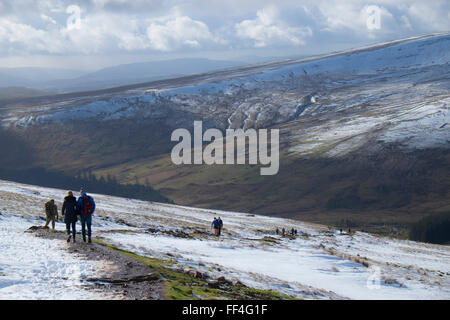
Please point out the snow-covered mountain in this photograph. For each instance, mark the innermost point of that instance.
(318, 263)
(395, 92)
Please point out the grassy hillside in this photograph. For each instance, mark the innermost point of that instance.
(84, 145)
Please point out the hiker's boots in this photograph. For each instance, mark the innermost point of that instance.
(89, 238)
(68, 239)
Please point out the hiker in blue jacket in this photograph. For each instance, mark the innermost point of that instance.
(86, 207)
(216, 225)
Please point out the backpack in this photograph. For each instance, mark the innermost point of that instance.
(87, 206)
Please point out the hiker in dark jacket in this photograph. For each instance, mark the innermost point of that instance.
(86, 207)
(220, 225)
(215, 224)
(70, 212)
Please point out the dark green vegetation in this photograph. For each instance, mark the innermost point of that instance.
(16, 154)
(108, 186)
(434, 229)
(84, 145)
(182, 286)
(17, 164)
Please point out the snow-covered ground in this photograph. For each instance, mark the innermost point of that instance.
(319, 263)
(38, 268)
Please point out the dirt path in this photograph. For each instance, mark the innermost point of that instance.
(122, 276)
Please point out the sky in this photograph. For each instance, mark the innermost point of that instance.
(92, 34)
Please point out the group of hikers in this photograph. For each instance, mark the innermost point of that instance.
(71, 209)
(292, 232)
(217, 226)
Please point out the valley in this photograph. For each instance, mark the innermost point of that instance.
(364, 135)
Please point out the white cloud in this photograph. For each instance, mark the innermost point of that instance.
(434, 17)
(356, 20)
(176, 32)
(406, 22)
(23, 38)
(161, 26)
(399, 17)
(340, 15)
(269, 29)
(46, 18)
(99, 32)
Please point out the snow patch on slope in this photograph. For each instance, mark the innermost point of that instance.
(36, 268)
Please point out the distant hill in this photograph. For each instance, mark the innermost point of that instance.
(69, 80)
(20, 92)
(34, 77)
(125, 74)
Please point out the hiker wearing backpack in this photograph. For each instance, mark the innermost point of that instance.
(70, 212)
(86, 207)
(215, 225)
(51, 211)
